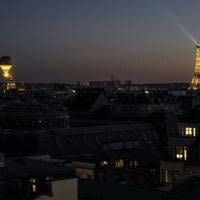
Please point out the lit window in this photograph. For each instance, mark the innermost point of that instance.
(48, 178)
(104, 163)
(179, 156)
(134, 163)
(189, 131)
(33, 188)
(166, 176)
(33, 181)
(119, 163)
(182, 153)
(73, 91)
(194, 131)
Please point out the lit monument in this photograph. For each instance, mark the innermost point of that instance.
(195, 83)
(6, 66)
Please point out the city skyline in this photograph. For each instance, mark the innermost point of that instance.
(66, 41)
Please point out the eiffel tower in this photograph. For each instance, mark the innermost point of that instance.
(195, 83)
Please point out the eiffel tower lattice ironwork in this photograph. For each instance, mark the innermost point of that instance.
(195, 83)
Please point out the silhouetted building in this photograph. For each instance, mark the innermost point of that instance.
(26, 178)
(32, 116)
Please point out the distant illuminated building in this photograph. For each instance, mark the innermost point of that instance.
(195, 83)
(21, 87)
(6, 66)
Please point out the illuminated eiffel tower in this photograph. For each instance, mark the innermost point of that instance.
(6, 66)
(195, 83)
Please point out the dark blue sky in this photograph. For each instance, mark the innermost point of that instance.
(71, 40)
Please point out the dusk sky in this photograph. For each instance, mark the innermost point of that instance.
(81, 40)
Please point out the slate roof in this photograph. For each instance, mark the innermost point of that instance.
(27, 111)
(152, 98)
(87, 140)
(85, 99)
(27, 168)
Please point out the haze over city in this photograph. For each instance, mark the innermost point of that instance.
(76, 40)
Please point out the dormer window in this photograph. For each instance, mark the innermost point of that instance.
(189, 131)
(119, 163)
(181, 153)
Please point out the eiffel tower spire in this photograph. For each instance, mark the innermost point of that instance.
(195, 83)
